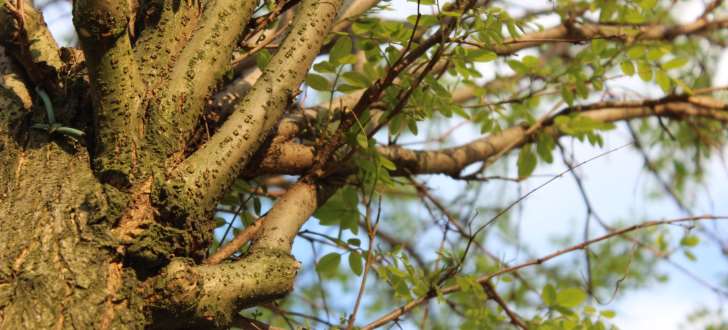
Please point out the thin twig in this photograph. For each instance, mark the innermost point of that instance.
(372, 231)
(235, 244)
(398, 312)
(510, 206)
(515, 320)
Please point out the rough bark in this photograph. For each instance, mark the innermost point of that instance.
(58, 266)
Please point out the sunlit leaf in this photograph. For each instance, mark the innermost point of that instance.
(570, 297)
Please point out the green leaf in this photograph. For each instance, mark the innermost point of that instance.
(318, 82)
(648, 4)
(328, 264)
(340, 209)
(636, 52)
(570, 297)
(644, 70)
(608, 314)
(425, 20)
(661, 242)
(325, 67)
(544, 146)
(482, 55)
(262, 58)
(627, 68)
(362, 140)
(663, 80)
(526, 162)
(607, 11)
(598, 45)
(690, 241)
(341, 48)
(690, 255)
(655, 53)
(356, 79)
(346, 89)
(512, 29)
(548, 295)
(686, 88)
(356, 263)
(568, 95)
(347, 59)
(633, 16)
(675, 63)
(531, 61)
(517, 66)
(386, 163)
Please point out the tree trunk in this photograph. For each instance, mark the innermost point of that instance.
(58, 264)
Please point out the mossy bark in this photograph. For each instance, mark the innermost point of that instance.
(58, 265)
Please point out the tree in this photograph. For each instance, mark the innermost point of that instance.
(116, 156)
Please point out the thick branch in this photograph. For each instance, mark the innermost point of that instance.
(117, 88)
(185, 296)
(351, 13)
(200, 66)
(290, 212)
(216, 292)
(578, 33)
(27, 38)
(167, 26)
(202, 178)
(453, 160)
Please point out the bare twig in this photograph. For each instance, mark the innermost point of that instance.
(372, 232)
(236, 244)
(515, 320)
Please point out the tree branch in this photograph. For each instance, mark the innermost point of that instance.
(295, 160)
(185, 296)
(355, 9)
(213, 293)
(288, 214)
(201, 179)
(166, 27)
(493, 294)
(23, 32)
(453, 160)
(235, 244)
(578, 33)
(102, 26)
(193, 78)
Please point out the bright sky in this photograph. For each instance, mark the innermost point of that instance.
(616, 184)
